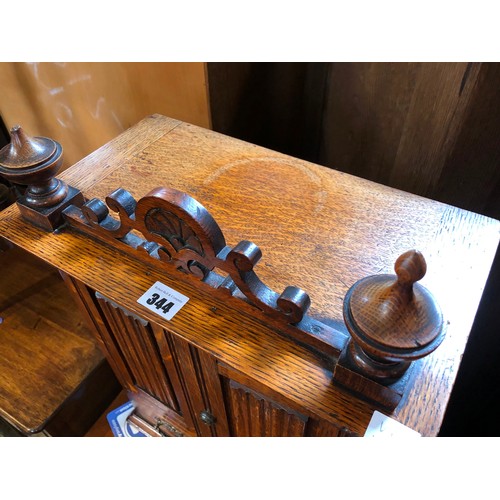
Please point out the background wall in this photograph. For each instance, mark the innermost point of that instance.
(84, 105)
(432, 129)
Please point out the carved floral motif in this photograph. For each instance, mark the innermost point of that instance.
(173, 229)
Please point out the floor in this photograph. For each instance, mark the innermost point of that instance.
(101, 428)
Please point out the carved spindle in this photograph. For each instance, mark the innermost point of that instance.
(34, 162)
(392, 320)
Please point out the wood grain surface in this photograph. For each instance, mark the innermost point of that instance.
(318, 229)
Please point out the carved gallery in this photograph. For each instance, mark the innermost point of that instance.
(249, 249)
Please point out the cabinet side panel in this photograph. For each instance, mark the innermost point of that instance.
(88, 307)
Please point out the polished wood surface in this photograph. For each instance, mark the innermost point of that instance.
(393, 311)
(319, 229)
(47, 353)
(82, 105)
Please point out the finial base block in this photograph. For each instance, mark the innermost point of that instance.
(385, 396)
(49, 218)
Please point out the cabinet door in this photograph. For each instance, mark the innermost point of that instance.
(252, 414)
(150, 373)
(180, 390)
(227, 402)
(254, 410)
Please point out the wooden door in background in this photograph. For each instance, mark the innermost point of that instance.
(432, 129)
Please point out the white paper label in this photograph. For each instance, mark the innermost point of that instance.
(163, 300)
(383, 426)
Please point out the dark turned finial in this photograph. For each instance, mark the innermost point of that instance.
(34, 162)
(392, 320)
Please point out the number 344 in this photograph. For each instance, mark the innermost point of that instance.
(160, 304)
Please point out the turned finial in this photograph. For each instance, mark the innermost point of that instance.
(25, 151)
(392, 320)
(34, 162)
(410, 267)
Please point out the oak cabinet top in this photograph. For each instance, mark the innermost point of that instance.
(318, 229)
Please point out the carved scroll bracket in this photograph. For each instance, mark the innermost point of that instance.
(170, 228)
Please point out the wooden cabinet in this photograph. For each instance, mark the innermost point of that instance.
(167, 204)
(424, 127)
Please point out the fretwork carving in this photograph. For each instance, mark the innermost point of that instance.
(173, 229)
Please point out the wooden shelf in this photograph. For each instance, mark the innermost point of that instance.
(54, 378)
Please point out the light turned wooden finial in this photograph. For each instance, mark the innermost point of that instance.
(34, 162)
(392, 320)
